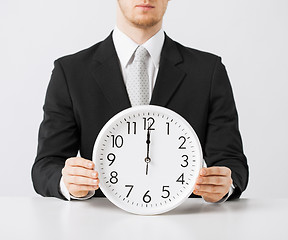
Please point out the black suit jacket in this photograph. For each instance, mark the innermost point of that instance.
(86, 89)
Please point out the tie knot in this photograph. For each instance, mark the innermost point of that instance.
(141, 54)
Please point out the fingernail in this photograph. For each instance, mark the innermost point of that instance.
(95, 182)
(94, 174)
(200, 180)
(197, 187)
(90, 165)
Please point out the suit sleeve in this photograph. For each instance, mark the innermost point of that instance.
(223, 145)
(58, 136)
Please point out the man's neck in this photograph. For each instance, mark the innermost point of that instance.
(137, 34)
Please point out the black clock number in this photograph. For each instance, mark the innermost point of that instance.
(181, 178)
(146, 197)
(131, 187)
(117, 141)
(165, 189)
(183, 142)
(185, 161)
(111, 157)
(149, 122)
(168, 128)
(113, 178)
(131, 127)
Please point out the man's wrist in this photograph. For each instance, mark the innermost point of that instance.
(63, 190)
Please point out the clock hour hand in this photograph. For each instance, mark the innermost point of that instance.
(148, 159)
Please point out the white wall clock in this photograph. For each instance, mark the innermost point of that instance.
(148, 158)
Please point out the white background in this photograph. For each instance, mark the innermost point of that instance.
(250, 36)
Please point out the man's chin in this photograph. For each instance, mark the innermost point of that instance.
(145, 23)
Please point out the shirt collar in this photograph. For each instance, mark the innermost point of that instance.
(125, 46)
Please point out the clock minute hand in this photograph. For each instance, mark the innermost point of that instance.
(148, 142)
(148, 159)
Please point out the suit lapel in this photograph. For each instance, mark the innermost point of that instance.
(169, 75)
(106, 71)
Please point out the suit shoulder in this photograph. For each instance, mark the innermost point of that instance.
(82, 56)
(196, 54)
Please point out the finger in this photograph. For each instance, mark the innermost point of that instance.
(209, 197)
(215, 171)
(213, 197)
(79, 188)
(80, 171)
(81, 180)
(79, 162)
(214, 180)
(200, 189)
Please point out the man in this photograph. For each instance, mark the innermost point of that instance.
(89, 87)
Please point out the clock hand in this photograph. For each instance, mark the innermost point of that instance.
(147, 159)
(148, 142)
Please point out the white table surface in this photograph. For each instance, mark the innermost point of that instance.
(51, 218)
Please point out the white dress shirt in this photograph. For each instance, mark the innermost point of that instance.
(125, 48)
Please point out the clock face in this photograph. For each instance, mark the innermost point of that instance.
(148, 158)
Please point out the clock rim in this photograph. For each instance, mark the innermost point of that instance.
(102, 132)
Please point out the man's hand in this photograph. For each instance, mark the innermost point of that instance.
(213, 183)
(79, 176)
